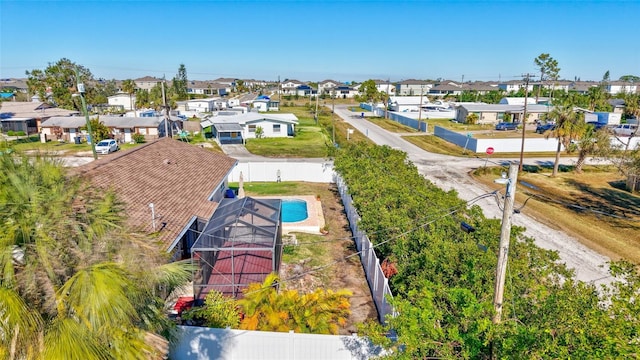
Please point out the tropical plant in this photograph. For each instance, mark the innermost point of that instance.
(570, 126)
(592, 142)
(547, 66)
(99, 131)
(129, 87)
(472, 118)
(319, 312)
(138, 138)
(94, 290)
(218, 311)
(259, 132)
(57, 83)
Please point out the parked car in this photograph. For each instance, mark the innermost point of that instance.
(107, 146)
(506, 126)
(625, 129)
(542, 128)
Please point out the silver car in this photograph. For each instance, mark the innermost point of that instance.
(107, 146)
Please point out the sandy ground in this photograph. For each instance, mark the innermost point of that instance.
(450, 172)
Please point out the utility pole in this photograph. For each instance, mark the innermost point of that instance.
(526, 76)
(81, 91)
(317, 101)
(420, 110)
(333, 121)
(166, 112)
(279, 92)
(386, 105)
(505, 237)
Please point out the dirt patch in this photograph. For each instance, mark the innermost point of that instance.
(330, 262)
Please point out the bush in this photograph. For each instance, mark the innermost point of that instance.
(21, 133)
(138, 138)
(11, 133)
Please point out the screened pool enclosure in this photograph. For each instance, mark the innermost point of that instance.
(241, 244)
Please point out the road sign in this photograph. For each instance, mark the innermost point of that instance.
(489, 150)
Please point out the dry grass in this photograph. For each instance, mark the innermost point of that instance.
(591, 206)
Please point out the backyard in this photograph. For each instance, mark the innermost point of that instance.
(320, 261)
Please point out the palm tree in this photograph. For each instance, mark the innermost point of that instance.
(592, 142)
(569, 127)
(93, 289)
(596, 97)
(129, 86)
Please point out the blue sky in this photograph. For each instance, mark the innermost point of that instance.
(317, 40)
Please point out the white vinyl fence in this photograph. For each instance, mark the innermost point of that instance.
(378, 283)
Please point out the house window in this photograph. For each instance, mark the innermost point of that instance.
(276, 128)
(252, 128)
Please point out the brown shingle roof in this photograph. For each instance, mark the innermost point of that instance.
(176, 177)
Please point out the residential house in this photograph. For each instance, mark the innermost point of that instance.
(122, 100)
(197, 87)
(170, 189)
(385, 86)
(412, 87)
(122, 128)
(494, 113)
(289, 87)
(617, 87)
(325, 86)
(147, 83)
(264, 103)
(305, 90)
(27, 116)
(582, 87)
(618, 105)
(235, 129)
(480, 87)
(14, 85)
(407, 103)
(514, 85)
(345, 92)
(445, 89)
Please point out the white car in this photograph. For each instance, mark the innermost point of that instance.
(625, 130)
(107, 146)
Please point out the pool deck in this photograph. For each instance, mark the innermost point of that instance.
(311, 224)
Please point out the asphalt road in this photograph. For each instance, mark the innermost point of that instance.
(450, 172)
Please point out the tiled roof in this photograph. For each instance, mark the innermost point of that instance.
(178, 178)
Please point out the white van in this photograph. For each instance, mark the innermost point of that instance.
(625, 130)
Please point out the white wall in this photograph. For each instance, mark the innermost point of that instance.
(226, 344)
(267, 127)
(320, 172)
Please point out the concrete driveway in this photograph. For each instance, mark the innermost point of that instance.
(450, 172)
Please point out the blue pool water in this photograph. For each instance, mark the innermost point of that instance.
(294, 210)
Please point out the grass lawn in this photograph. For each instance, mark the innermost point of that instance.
(592, 206)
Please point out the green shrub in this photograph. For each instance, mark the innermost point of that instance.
(11, 133)
(21, 133)
(138, 138)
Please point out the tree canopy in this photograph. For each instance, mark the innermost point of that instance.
(443, 287)
(74, 282)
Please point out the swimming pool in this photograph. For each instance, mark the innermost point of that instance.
(294, 210)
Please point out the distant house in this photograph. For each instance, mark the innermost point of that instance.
(235, 129)
(147, 83)
(514, 85)
(304, 90)
(325, 86)
(170, 189)
(264, 103)
(345, 92)
(445, 89)
(122, 128)
(289, 87)
(494, 113)
(385, 87)
(27, 116)
(617, 87)
(123, 100)
(412, 87)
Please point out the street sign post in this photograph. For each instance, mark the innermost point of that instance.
(469, 135)
(489, 152)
